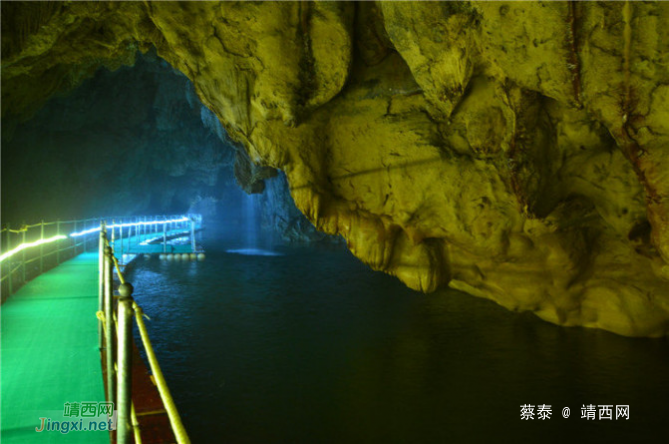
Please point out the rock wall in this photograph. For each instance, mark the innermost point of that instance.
(279, 215)
(513, 150)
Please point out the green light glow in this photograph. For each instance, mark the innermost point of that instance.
(31, 244)
(81, 233)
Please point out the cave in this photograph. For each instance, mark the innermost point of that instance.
(139, 128)
(386, 188)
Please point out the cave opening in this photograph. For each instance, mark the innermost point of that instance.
(137, 141)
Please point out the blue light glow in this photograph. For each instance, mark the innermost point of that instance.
(83, 233)
(136, 224)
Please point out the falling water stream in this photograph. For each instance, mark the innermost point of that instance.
(251, 229)
(314, 347)
(251, 226)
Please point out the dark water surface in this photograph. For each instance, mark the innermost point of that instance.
(314, 347)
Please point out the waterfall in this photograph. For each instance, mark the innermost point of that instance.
(252, 223)
(252, 242)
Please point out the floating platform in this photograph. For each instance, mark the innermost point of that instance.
(159, 245)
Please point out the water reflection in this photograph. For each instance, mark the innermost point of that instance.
(314, 347)
(254, 252)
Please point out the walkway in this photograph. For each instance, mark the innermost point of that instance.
(49, 352)
(132, 244)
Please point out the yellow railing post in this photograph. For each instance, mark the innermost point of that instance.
(9, 264)
(23, 241)
(124, 380)
(41, 250)
(58, 248)
(109, 324)
(101, 281)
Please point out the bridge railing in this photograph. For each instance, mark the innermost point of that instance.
(115, 320)
(29, 250)
(33, 249)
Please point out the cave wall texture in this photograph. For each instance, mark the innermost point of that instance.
(516, 151)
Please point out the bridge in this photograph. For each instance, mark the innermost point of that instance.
(71, 371)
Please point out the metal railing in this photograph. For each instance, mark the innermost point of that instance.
(31, 262)
(19, 263)
(61, 240)
(119, 368)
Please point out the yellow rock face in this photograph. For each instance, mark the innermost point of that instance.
(516, 151)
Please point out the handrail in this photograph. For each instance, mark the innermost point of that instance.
(31, 244)
(119, 388)
(18, 243)
(165, 395)
(133, 415)
(118, 269)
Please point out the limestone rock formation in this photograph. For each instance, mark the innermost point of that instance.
(279, 215)
(513, 150)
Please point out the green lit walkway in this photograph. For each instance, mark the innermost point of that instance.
(50, 353)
